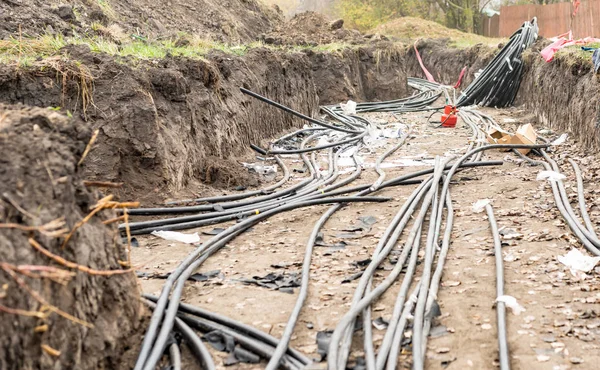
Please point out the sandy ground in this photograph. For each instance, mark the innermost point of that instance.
(560, 328)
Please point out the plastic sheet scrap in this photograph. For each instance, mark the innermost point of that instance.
(511, 302)
(349, 108)
(283, 282)
(226, 343)
(479, 206)
(564, 41)
(578, 262)
(175, 236)
(550, 176)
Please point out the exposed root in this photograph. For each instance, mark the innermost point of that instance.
(9, 198)
(113, 220)
(74, 265)
(16, 311)
(51, 351)
(102, 184)
(89, 146)
(53, 228)
(38, 272)
(46, 306)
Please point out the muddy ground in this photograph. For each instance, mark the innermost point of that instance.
(40, 183)
(559, 330)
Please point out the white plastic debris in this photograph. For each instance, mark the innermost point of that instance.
(479, 206)
(511, 302)
(260, 168)
(550, 176)
(175, 236)
(561, 140)
(577, 261)
(349, 108)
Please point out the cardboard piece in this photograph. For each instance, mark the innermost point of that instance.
(524, 135)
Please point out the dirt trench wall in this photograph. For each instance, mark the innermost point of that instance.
(164, 123)
(564, 95)
(445, 62)
(40, 182)
(363, 74)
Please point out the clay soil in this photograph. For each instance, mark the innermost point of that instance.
(558, 330)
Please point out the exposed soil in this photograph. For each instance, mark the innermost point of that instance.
(445, 62)
(167, 118)
(228, 20)
(563, 94)
(180, 127)
(310, 28)
(39, 151)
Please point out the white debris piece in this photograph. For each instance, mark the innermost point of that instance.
(260, 168)
(479, 206)
(175, 236)
(511, 302)
(550, 176)
(349, 108)
(577, 261)
(561, 140)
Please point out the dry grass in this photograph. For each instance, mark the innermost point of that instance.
(409, 29)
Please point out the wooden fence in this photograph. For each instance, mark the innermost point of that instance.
(553, 19)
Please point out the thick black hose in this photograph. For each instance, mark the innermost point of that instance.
(297, 114)
(175, 356)
(581, 199)
(500, 306)
(242, 328)
(196, 346)
(224, 198)
(149, 357)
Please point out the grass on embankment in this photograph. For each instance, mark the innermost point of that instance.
(25, 51)
(409, 29)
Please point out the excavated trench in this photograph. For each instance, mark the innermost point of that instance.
(167, 123)
(178, 124)
(563, 95)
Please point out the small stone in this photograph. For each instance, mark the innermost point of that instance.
(337, 24)
(65, 12)
(549, 339)
(543, 358)
(576, 360)
(486, 326)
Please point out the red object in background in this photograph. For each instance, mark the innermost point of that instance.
(450, 109)
(449, 120)
(576, 4)
(425, 71)
(460, 77)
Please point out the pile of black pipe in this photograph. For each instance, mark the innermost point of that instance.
(499, 82)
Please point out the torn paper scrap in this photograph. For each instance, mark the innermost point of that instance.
(550, 176)
(561, 140)
(511, 302)
(175, 236)
(575, 260)
(348, 108)
(479, 206)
